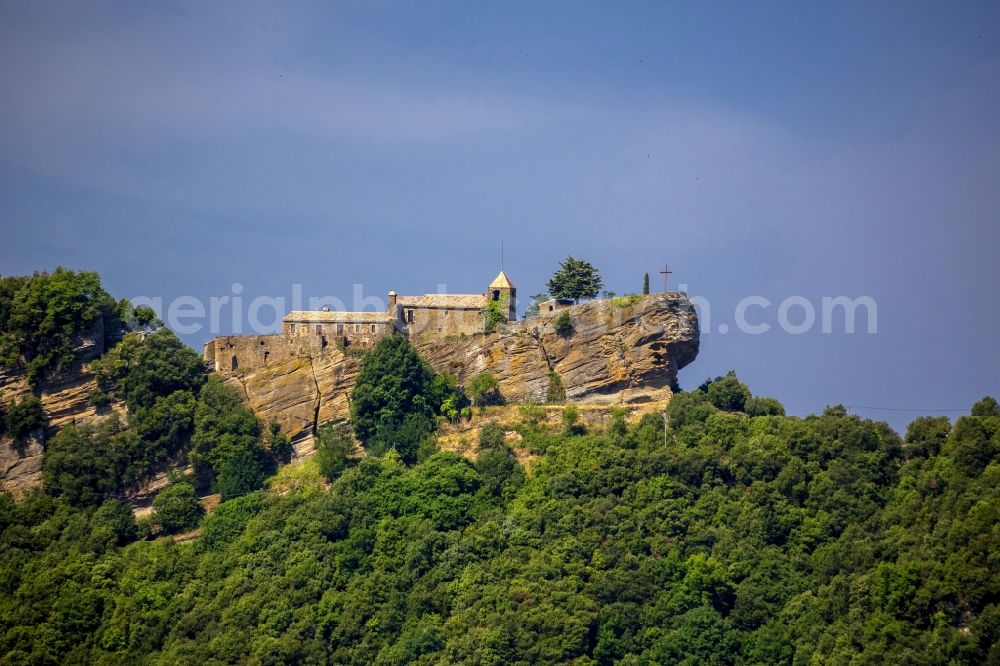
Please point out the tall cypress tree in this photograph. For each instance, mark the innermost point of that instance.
(645, 284)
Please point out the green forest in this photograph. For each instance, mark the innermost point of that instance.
(721, 532)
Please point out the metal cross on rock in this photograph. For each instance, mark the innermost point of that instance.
(666, 274)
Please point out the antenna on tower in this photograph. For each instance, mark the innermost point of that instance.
(501, 256)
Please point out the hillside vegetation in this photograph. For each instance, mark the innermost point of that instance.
(172, 412)
(733, 535)
(738, 539)
(41, 316)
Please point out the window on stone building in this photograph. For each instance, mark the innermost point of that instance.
(340, 329)
(235, 364)
(357, 328)
(291, 328)
(409, 316)
(496, 294)
(319, 329)
(373, 328)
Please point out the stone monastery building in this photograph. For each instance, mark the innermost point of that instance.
(426, 315)
(419, 317)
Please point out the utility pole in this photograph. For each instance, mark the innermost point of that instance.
(666, 420)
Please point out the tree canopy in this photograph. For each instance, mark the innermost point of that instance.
(227, 446)
(726, 539)
(575, 279)
(176, 508)
(41, 317)
(392, 403)
(143, 367)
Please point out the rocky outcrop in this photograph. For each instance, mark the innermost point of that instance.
(20, 464)
(620, 351)
(302, 392)
(65, 400)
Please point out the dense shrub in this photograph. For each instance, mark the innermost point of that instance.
(726, 393)
(563, 325)
(239, 475)
(164, 427)
(143, 367)
(556, 392)
(116, 519)
(689, 407)
(277, 443)
(392, 403)
(987, 406)
(81, 463)
(228, 522)
(227, 444)
(448, 398)
(625, 301)
(42, 316)
(495, 314)
(24, 416)
(334, 449)
(926, 435)
(408, 439)
(499, 470)
(571, 421)
(764, 407)
(484, 389)
(491, 436)
(176, 508)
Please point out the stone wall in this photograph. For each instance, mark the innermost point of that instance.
(359, 334)
(228, 354)
(440, 322)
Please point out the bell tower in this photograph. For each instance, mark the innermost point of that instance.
(502, 288)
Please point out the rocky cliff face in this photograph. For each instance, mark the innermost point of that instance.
(627, 352)
(64, 399)
(623, 353)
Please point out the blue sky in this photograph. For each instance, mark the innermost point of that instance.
(771, 149)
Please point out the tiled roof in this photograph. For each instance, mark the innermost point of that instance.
(337, 317)
(501, 282)
(452, 301)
